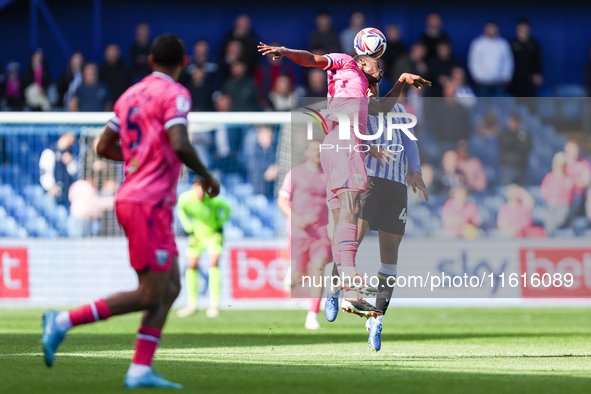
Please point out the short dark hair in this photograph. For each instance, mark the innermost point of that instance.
(357, 57)
(168, 50)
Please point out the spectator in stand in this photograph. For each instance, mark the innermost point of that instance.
(490, 62)
(557, 190)
(281, 96)
(233, 52)
(451, 119)
(241, 89)
(113, 72)
(414, 62)
(316, 86)
(58, 168)
(449, 176)
(243, 33)
(394, 50)
(514, 147)
(69, 82)
(324, 36)
(464, 93)
(260, 151)
(92, 95)
(227, 145)
(200, 87)
(433, 34)
(579, 170)
(527, 76)
(440, 67)
(201, 59)
(588, 74)
(471, 168)
(10, 88)
(86, 201)
(35, 82)
(267, 73)
(139, 52)
(459, 217)
(347, 36)
(514, 218)
(488, 128)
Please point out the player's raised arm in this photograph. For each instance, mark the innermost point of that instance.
(179, 140)
(303, 58)
(386, 103)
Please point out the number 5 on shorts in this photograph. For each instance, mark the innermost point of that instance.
(403, 215)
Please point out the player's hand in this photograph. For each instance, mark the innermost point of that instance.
(382, 154)
(211, 186)
(414, 80)
(277, 52)
(416, 181)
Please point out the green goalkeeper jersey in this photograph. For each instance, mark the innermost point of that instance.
(202, 218)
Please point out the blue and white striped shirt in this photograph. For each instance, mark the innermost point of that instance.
(396, 171)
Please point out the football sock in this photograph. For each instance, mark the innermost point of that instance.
(314, 305)
(88, 313)
(347, 234)
(336, 255)
(215, 283)
(145, 347)
(387, 279)
(191, 283)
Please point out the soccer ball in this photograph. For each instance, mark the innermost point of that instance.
(370, 41)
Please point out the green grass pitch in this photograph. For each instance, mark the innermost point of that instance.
(424, 350)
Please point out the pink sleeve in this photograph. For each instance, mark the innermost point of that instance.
(177, 105)
(502, 213)
(285, 190)
(337, 61)
(544, 185)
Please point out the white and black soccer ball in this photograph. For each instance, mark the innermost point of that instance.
(370, 41)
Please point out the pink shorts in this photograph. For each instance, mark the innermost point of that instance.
(306, 249)
(344, 167)
(149, 232)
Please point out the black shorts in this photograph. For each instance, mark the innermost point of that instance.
(383, 205)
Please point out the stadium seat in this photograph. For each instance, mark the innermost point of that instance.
(580, 225)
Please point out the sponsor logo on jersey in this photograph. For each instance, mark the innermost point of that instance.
(162, 256)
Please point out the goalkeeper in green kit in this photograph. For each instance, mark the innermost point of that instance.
(203, 219)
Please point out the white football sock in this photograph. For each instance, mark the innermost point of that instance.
(137, 370)
(63, 322)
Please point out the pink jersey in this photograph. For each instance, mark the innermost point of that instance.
(454, 218)
(347, 90)
(517, 216)
(142, 115)
(576, 170)
(557, 189)
(305, 188)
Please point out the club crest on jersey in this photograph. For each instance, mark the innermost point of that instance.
(182, 104)
(162, 256)
(357, 178)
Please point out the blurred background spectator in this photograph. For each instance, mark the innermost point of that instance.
(267, 73)
(316, 86)
(464, 93)
(514, 217)
(324, 36)
(243, 33)
(59, 167)
(452, 119)
(449, 176)
(11, 88)
(260, 152)
(413, 62)
(490, 62)
(394, 50)
(440, 67)
(113, 72)
(527, 76)
(35, 83)
(200, 58)
(579, 170)
(241, 88)
(458, 216)
(281, 96)
(471, 168)
(138, 53)
(433, 34)
(70, 80)
(557, 190)
(233, 52)
(92, 95)
(200, 87)
(514, 147)
(347, 36)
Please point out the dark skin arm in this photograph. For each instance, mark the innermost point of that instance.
(386, 103)
(303, 58)
(109, 145)
(179, 140)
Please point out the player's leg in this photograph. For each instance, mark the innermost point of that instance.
(191, 283)
(140, 372)
(331, 305)
(215, 279)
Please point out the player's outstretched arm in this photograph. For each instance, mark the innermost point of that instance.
(108, 145)
(179, 140)
(386, 103)
(303, 58)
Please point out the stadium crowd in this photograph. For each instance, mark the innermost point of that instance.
(468, 159)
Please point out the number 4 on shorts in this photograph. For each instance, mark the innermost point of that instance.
(403, 215)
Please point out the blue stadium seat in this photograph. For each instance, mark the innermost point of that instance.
(243, 190)
(494, 203)
(580, 225)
